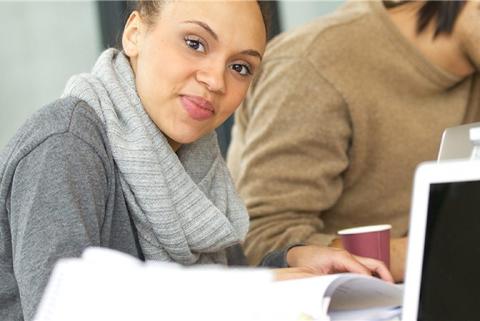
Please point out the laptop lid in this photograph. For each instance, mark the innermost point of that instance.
(456, 143)
(443, 263)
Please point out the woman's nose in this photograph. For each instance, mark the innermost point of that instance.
(213, 77)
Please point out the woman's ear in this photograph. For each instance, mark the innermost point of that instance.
(131, 34)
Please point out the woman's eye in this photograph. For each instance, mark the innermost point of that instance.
(243, 70)
(195, 44)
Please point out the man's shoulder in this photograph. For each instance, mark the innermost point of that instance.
(321, 34)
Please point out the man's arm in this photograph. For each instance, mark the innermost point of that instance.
(289, 150)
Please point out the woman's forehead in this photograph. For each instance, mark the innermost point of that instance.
(227, 18)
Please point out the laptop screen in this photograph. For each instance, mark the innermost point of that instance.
(450, 283)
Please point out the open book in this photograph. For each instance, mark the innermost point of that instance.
(345, 296)
(109, 285)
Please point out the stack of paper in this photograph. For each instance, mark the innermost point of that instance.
(108, 285)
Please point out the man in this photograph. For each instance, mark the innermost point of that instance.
(341, 113)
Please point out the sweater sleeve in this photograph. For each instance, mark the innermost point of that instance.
(288, 152)
(57, 205)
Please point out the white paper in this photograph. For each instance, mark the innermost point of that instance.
(108, 285)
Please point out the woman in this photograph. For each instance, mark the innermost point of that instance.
(127, 158)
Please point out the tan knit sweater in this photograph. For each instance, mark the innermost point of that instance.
(332, 129)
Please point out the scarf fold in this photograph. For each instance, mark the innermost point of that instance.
(184, 206)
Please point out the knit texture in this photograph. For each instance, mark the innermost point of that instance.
(184, 206)
(341, 113)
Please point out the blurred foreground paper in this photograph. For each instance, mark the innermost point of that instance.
(108, 285)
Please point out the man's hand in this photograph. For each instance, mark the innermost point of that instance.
(398, 252)
(290, 273)
(316, 260)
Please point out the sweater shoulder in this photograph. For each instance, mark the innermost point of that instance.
(65, 117)
(323, 36)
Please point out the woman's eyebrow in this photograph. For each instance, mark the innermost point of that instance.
(204, 26)
(252, 52)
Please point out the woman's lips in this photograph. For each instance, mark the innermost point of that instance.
(197, 107)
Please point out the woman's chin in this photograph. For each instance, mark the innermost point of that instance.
(187, 137)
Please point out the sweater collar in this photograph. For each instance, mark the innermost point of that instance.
(184, 209)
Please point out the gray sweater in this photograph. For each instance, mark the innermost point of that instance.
(60, 193)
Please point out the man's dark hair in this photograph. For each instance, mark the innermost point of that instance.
(445, 13)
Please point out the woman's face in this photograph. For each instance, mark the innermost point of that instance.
(193, 66)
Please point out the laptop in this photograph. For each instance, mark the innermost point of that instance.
(456, 142)
(442, 280)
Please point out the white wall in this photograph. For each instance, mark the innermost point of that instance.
(296, 12)
(43, 43)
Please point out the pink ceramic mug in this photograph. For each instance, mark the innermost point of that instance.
(369, 241)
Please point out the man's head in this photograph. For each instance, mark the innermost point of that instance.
(467, 32)
(443, 14)
(446, 32)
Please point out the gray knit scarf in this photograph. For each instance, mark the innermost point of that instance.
(184, 206)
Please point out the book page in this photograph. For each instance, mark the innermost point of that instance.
(108, 285)
(356, 292)
(92, 288)
(376, 314)
(305, 297)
